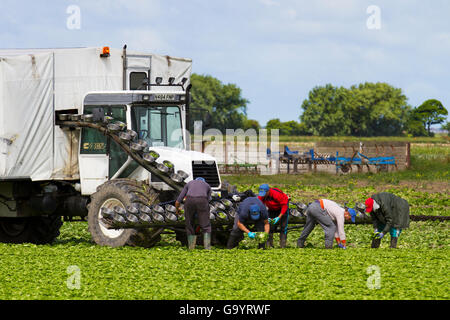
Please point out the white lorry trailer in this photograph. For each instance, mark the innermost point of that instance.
(58, 156)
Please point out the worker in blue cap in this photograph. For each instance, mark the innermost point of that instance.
(350, 214)
(250, 211)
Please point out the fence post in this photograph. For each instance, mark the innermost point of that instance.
(408, 155)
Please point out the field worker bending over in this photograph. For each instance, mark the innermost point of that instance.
(251, 210)
(331, 218)
(389, 214)
(278, 204)
(198, 194)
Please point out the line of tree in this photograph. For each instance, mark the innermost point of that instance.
(288, 128)
(368, 109)
(429, 113)
(365, 110)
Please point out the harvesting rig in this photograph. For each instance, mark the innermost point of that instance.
(84, 130)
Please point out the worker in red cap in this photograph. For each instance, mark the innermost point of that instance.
(278, 204)
(389, 213)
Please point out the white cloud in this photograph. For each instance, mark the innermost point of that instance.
(266, 47)
(269, 3)
(106, 9)
(290, 13)
(147, 40)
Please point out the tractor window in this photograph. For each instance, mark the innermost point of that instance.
(92, 141)
(117, 156)
(173, 128)
(136, 79)
(119, 113)
(154, 123)
(159, 126)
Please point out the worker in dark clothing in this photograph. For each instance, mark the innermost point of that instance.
(278, 204)
(251, 210)
(198, 195)
(389, 213)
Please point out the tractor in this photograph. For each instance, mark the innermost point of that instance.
(84, 130)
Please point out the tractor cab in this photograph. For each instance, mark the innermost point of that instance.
(158, 118)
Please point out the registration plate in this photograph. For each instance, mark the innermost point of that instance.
(164, 97)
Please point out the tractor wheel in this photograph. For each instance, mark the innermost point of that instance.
(383, 168)
(37, 230)
(346, 168)
(121, 193)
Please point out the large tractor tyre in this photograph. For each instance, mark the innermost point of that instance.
(126, 181)
(121, 194)
(37, 230)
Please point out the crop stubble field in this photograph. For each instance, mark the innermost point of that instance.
(418, 269)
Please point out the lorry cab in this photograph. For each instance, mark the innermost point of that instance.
(159, 118)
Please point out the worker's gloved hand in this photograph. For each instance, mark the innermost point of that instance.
(275, 220)
(270, 220)
(340, 245)
(378, 235)
(251, 235)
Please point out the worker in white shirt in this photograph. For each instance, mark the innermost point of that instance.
(331, 218)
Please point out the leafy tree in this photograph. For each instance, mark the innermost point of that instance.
(377, 109)
(273, 124)
(446, 127)
(302, 130)
(415, 125)
(289, 128)
(251, 124)
(432, 112)
(223, 101)
(293, 128)
(324, 112)
(369, 109)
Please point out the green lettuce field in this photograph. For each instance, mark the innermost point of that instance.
(169, 271)
(74, 267)
(418, 269)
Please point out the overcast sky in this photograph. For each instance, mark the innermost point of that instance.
(276, 51)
